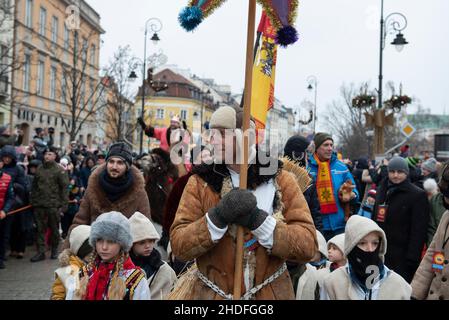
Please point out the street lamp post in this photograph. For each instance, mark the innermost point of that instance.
(156, 25)
(394, 22)
(202, 104)
(313, 84)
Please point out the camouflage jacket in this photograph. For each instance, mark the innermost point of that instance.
(50, 187)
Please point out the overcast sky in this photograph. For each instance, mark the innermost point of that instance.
(339, 43)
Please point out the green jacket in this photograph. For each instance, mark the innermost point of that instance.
(50, 187)
(436, 212)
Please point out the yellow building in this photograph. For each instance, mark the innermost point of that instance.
(52, 37)
(182, 98)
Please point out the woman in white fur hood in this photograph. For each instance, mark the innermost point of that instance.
(365, 276)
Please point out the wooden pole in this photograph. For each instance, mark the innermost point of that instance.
(238, 271)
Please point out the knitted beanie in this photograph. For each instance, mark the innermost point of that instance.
(411, 161)
(430, 165)
(121, 150)
(78, 236)
(322, 244)
(142, 228)
(224, 118)
(398, 164)
(338, 241)
(357, 228)
(112, 226)
(372, 193)
(295, 147)
(320, 138)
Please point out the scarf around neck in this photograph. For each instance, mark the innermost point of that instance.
(115, 188)
(102, 273)
(150, 264)
(324, 187)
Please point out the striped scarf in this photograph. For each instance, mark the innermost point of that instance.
(324, 187)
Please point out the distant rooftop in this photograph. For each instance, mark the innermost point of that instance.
(429, 121)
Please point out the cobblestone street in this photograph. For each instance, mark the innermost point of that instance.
(23, 280)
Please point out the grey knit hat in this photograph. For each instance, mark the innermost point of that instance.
(430, 165)
(113, 226)
(398, 164)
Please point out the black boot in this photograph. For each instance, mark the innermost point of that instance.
(54, 253)
(38, 257)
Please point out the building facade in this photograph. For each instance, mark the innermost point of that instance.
(6, 58)
(57, 85)
(191, 98)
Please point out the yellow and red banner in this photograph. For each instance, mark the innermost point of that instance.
(264, 73)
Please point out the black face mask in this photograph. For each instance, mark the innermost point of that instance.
(360, 260)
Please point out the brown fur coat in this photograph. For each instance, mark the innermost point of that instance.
(294, 236)
(95, 201)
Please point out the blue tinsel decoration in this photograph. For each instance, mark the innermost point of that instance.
(286, 35)
(190, 18)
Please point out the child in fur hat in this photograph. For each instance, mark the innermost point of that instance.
(365, 276)
(336, 248)
(311, 279)
(110, 274)
(71, 260)
(160, 276)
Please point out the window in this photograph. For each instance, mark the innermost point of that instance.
(83, 95)
(160, 114)
(64, 89)
(91, 96)
(66, 37)
(42, 21)
(93, 55)
(29, 13)
(3, 57)
(40, 78)
(183, 114)
(84, 49)
(54, 29)
(53, 83)
(61, 139)
(26, 73)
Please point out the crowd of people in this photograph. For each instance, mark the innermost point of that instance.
(137, 227)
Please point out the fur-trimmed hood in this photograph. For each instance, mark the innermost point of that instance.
(100, 201)
(66, 258)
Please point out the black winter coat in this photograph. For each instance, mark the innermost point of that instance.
(405, 225)
(314, 205)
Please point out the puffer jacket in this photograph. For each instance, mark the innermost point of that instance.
(340, 174)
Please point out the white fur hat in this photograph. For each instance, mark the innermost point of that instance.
(78, 236)
(224, 117)
(338, 241)
(142, 228)
(321, 244)
(357, 228)
(113, 226)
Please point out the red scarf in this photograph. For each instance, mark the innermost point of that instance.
(97, 288)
